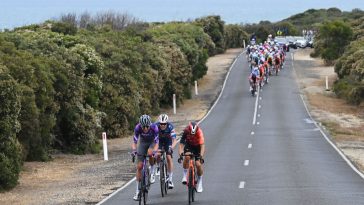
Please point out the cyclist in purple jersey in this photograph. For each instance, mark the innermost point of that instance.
(147, 134)
(167, 140)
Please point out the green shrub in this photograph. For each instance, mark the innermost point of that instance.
(10, 152)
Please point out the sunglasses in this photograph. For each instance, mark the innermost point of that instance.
(144, 127)
(163, 124)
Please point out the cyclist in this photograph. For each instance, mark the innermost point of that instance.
(167, 140)
(254, 76)
(192, 141)
(147, 132)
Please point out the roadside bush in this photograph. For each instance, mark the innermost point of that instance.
(350, 90)
(235, 36)
(332, 40)
(214, 27)
(10, 152)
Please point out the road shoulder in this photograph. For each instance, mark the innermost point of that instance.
(343, 122)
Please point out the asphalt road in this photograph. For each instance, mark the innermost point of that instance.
(263, 150)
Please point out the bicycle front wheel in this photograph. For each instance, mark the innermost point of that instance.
(162, 178)
(165, 178)
(190, 186)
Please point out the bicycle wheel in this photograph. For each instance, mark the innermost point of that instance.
(141, 190)
(165, 178)
(194, 185)
(146, 186)
(162, 178)
(190, 186)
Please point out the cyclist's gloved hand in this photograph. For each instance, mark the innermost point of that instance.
(180, 159)
(154, 153)
(170, 150)
(202, 160)
(133, 154)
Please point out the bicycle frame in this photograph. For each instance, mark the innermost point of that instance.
(144, 183)
(191, 178)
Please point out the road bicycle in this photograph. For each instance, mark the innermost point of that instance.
(163, 176)
(191, 175)
(144, 183)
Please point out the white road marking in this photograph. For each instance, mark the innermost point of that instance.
(258, 115)
(260, 106)
(309, 121)
(331, 143)
(252, 133)
(255, 108)
(260, 98)
(246, 163)
(242, 185)
(258, 123)
(250, 146)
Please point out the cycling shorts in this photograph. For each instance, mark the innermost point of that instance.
(164, 143)
(196, 150)
(143, 147)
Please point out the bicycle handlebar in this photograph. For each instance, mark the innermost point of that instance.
(190, 155)
(133, 155)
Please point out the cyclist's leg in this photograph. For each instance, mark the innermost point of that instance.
(142, 149)
(169, 162)
(197, 152)
(161, 145)
(185, 164)
(151, 162)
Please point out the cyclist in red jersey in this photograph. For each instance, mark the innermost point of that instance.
(193, 141)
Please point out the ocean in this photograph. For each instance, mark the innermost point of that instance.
(15, 13)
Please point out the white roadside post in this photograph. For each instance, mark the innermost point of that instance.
(244, 42)
(104, 146)
(174, 103)
(327, 83)
(196, 90)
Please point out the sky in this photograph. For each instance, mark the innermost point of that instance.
(15, 13)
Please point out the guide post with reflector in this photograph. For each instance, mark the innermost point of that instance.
(104, 146)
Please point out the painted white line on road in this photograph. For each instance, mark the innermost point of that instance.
(252, 133)
(260, 106)
(258, 123)
(250, 146)
(121, 188)
(332, 144)
(255, 108)
(260, 98)
(246, 163)
(242, 185)
(258, 115)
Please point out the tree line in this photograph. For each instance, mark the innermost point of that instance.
(63, 82)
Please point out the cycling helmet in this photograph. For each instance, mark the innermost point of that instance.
(163, 118)
(193, 127)
(145, 120)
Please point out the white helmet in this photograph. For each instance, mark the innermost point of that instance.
(163, 118)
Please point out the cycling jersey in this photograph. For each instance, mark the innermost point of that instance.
(166, 137)
(255, 71)
(151, 135)
(190, 139)
(169, 132)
